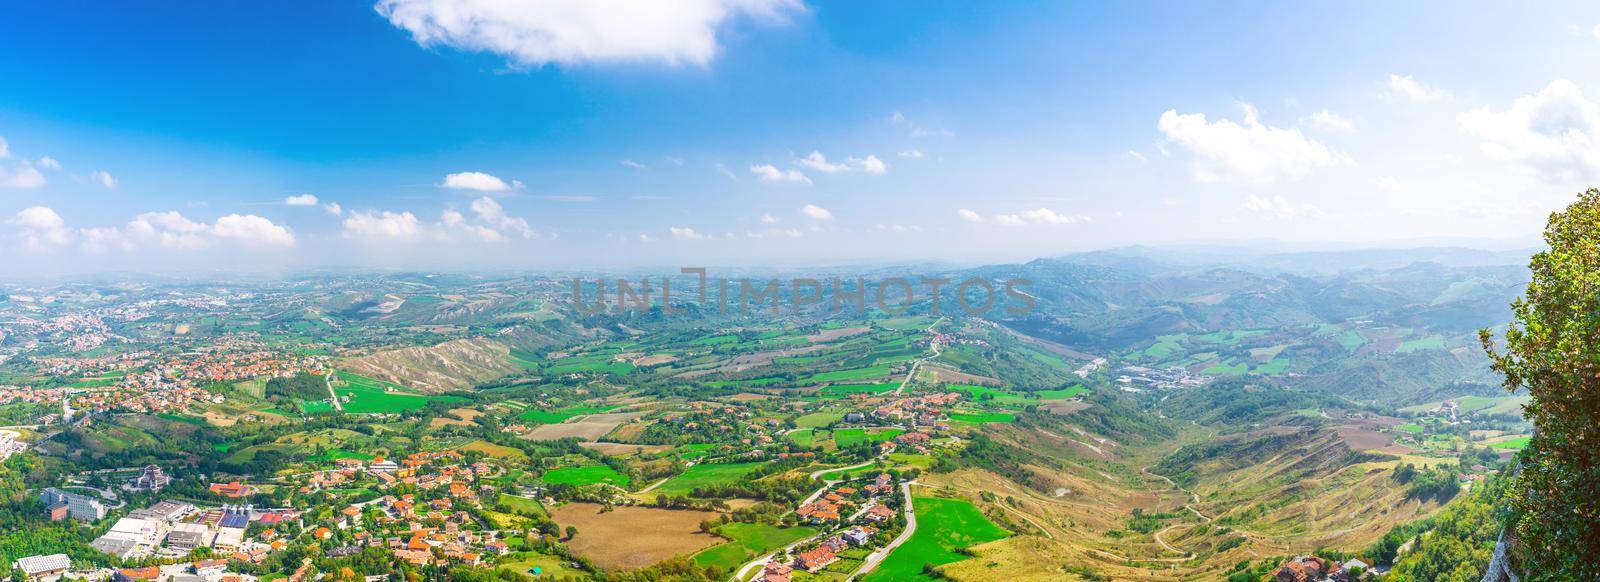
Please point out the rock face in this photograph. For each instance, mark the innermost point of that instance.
(1500, 565)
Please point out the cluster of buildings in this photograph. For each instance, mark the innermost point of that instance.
(1317, 569)
(828, 509)
(173, 529)
(1138, 378)
(928, 410)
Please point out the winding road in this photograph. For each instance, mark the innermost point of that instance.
(877, 557)
(912, 373)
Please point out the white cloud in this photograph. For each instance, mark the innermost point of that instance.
(1412, 89)
(815, 212)
(494, 215)
(634, 165)
(816, 161)
(41, 228)
(674, 160)
(23, 177)
(478, 181)
(1038, 216)
(1137, 156)
(167, 229)
(1328, 121)
(382, 224)
(767, 218)
(301, 200)
(870, 164)
(969, 215)
(570, 32)
(333, 208)
(684, 233)
(1278, 208)
(1385, 183)
(104, 179)
(644, 238)
(453, 218)
(1555, 132)
(49, 163)
(771, 173)
(723, 169)
(252, 230)
(775, 233)
(1252, 152)
(916, 131)
(1595, 32)
(912, 153)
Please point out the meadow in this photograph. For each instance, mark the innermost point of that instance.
(585, 475)
(943, 526)
(704, 474)
(748, 540)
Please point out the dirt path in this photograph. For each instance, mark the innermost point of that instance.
(328, 380)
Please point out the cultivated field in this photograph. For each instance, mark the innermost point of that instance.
(630, 537)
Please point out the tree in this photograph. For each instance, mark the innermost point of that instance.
(1553, 350)
(572, 532)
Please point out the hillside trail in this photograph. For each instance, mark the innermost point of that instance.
(912, 373)
(327, 379)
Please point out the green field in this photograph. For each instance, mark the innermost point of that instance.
(587, 475)
(704, 474)
(877, 371)
(804, 437)
(1432, 342)
(848, 389)
(818, 419)
(372, 396)
(560, 415)
(1062, 394)
(943, 526)
(522, 505)
(1515, 444)
(845, 437)
(749, 540)
(982, 417)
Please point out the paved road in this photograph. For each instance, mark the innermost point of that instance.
(328, 379)
(877, 557)
(912, 373)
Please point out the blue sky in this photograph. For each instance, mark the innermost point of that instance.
(154, 135)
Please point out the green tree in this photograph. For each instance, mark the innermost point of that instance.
(1553, 350)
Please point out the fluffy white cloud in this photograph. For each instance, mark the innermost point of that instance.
(1250, 152)
(104, 179)
(634, 165)
(1555, 132)
(815, 212)
(767, 218)
(1037, 216)
(1412, 89)
(495, 217)
(173, 230)
(771, 173)
(41, 228)
(478, 181)
(1278, 208)
(301, 200)
(253, 230)
(570, 32)
(1328, 121)
(23, 177)
(49, 163)
(969, 215)
(912, 153)
(333, 208)
(816, 161)
(684, 233)
(382, 224)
